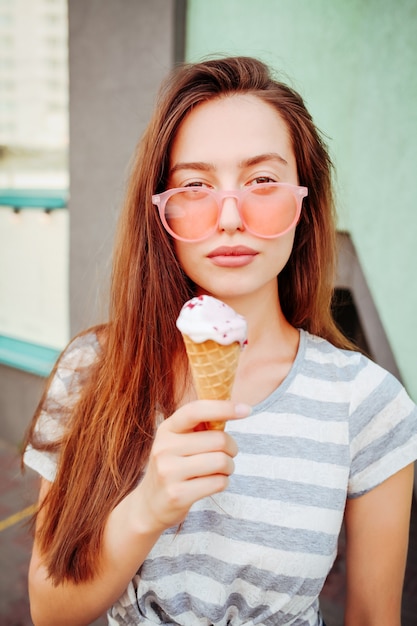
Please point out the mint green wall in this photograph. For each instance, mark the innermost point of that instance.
(355, 63)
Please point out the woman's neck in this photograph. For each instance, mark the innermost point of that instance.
(270, 351)
(263, 313)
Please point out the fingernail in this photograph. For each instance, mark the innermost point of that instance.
(243, 410)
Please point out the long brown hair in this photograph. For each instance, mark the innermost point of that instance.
(111, 429)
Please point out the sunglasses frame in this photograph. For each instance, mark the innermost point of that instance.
(160, 200)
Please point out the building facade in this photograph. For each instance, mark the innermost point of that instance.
(354, 63)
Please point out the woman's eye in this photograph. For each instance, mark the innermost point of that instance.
(262, 179)
(196, 183)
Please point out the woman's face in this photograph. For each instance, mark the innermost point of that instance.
(226, 144)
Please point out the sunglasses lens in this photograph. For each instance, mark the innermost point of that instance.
(191, 214)
(269, 210)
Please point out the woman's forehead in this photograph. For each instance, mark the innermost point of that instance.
(237, 127)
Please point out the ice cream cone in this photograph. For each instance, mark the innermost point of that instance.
(214, 335)
(214, 368)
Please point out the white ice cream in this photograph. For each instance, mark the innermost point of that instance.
(204, 317)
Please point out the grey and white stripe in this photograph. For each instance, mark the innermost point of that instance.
(259, 553)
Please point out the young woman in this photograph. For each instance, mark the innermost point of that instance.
(142, 513)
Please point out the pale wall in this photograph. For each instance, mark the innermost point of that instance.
(118, 53)
(117, 60)
(34, 276)
(355, 64)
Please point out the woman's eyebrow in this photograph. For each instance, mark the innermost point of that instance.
(202, 166)
(192, 165)
(260, 158)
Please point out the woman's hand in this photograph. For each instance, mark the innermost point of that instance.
(186, 463)
(184, 466)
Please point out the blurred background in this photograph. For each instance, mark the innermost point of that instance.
(78, 80)
(77, 84)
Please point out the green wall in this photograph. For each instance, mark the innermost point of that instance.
(355, 63)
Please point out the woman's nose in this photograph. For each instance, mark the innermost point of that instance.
(230, 219)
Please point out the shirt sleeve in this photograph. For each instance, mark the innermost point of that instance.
(383, 429)
(63, 393)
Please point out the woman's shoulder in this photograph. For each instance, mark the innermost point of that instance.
(321, 351)
(360, 376)
(74, 364)
(86, 343)
(84, 349)
(62, 393)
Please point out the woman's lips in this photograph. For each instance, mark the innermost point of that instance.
(232, 256)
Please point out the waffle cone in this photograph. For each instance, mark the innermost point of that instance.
(214, 368)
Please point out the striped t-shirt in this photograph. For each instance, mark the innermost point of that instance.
(259, 552)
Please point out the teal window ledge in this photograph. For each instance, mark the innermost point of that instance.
(47, 199)
(26, 356)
